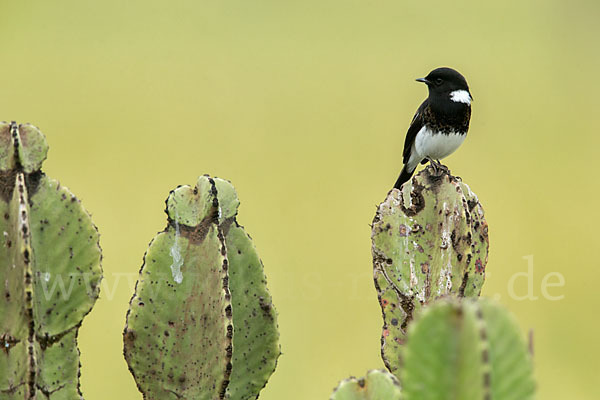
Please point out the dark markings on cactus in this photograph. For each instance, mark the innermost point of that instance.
(479, 266)
(265, 307)
(226, 225)
(463, 285)
(32, 182)
(403, 229)
(196, 234)
(129, 336)
(48, 341)
(7, 185)
(417, 201)
(7, 342)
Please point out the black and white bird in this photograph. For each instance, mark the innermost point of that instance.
(441, 123)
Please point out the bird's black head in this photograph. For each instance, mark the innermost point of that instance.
(443, 81)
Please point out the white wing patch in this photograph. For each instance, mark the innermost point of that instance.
(460, 96)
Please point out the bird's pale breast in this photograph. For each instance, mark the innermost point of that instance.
(436, 145)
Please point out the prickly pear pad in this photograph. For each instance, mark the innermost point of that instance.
(255, 337)
(466, 349)
(201, 323)
(178, 337)
(429, 241)
(50, 269)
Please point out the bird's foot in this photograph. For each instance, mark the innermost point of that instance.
(438, 168)
(442, 168)
(433, 165)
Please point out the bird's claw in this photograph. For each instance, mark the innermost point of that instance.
(437, 167)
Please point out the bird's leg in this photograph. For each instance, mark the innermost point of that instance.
(443, 167)
(433, 165)
(440, 167)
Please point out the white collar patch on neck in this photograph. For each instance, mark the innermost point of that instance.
(460, 96)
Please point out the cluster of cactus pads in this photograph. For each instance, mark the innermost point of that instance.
(456, 349)
(49, 272)
(201, 324)
(430, 246)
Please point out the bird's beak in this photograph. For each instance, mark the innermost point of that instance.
(424, 80)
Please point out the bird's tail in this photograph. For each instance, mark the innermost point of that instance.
(405, 175)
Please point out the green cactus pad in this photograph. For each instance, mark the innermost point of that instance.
(429, 240)
(201, 324)
(64, 269)
(255, 338)
(50, 266)
(32, 148)
(377, 385)
(178, 337)
(466, 350)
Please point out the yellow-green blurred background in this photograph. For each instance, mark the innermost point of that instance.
(303, 105)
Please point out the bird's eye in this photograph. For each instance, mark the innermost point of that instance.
(439, 81)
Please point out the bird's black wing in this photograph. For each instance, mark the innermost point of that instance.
(415, 126)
